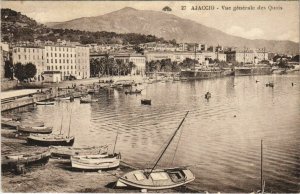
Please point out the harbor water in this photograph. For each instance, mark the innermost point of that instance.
(219, 140)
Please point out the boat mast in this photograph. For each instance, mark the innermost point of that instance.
(62, 117)
(168, 144)
(261, 169)
(115, 142)
(70, 123)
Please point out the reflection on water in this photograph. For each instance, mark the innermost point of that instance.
(223, 150)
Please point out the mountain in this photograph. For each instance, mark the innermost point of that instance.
(18, 27)
(168, 26)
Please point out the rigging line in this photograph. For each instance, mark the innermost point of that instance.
(169, 142)
(176, 146)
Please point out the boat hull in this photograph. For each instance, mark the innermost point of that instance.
(159, 179)
(100, 163)
(46, 143)
(12, 162)
(46, 130)
(67, 152)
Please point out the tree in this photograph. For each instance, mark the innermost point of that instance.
(30, 70)
(23, 72)
(8, 70)
(20, 72)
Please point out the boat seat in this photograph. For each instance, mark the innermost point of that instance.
(177, 176)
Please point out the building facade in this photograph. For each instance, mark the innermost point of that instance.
(34, 55)
(246, 56)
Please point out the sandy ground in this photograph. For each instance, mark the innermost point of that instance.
(57, 175)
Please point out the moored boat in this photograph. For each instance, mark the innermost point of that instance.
(28, 129)
(96, 162)
(133, 91)
(157, 179)
(13, 124)
(146, 101)
(87, 99)
(67, 152)
(45, 103)
(50, 139)
(13, 161)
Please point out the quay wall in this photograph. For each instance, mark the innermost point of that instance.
(20, 102)
(8, 84)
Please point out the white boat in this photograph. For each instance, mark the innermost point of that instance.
(63, 98)
(155, 179)
(67, 152)
(96, 162)
(45, 103)
(87, 99)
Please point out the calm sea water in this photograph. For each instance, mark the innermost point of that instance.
(222, 150)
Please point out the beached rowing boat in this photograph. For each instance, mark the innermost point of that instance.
(50, 139)
(28, 129)
(67, 152)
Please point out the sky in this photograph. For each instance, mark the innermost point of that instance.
(281, 23)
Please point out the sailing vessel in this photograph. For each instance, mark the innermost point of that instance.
(52, 139)
(97, 162)
(155, 179)
(28, 129)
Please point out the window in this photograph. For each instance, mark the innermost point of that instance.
(47, 60)
(63, 61)
(55, 60)
(60, 67)
(51, 60)
(59, 60)
(18, 49)
(25, 57)
(64, 55)
(55, 67)
(47, 54)
(67, 60)
(59, 55)
(67, 55)
(55, 55)
(19, 57)
(71, 67)
(25, 50)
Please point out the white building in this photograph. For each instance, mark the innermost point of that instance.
(68, 60)
(34, 55)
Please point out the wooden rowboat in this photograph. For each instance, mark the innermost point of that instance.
(50, 139)
(157, 179)
(14, 124)
(42, 130)
(13, 161)
(146, 101)
(67, 152)
(96, 162)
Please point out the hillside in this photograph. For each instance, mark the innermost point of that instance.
(18, 27)
(168, 26)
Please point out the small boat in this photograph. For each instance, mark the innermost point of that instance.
(50, 139)
(67, 152)
(208, 95)
(13, 124)
(156, 179)
(133, 91)
(270, 84)
(91, 91)
(96, 162)
(87, 99)
(28, 129)
(63, 98)
(11, 118)
(14, 161)
(146, 101)
(45, 103)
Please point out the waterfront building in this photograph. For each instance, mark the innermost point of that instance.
(221, 56)
(71, 61)
(157, 56)
(138, 60)
(52, 76)
(30, 54)
(246, 56)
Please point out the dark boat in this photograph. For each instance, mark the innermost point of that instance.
(156, 179)
(208, 95)
(41, 130)
(146, 102)
(50, 139)
(16, 162)
(133, 91)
